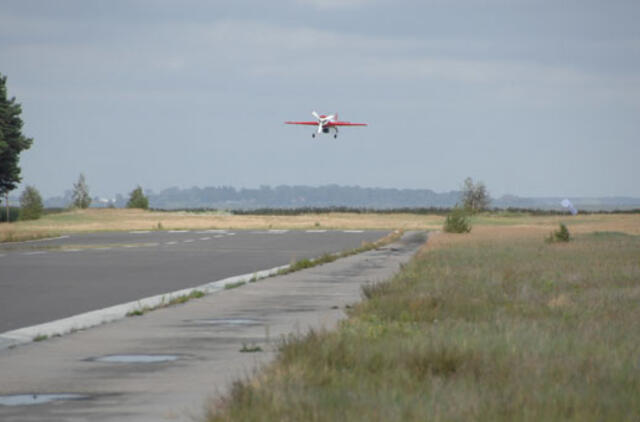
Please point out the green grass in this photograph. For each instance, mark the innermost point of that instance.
(484, 328)
(234, 285)
(41, 337)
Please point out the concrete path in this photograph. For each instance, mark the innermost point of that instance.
(204, 337)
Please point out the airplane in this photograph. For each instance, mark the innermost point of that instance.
(326, 123)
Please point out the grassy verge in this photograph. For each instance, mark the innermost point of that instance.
(496, 325)
(16, 235)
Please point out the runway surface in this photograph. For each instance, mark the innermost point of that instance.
(46, 280)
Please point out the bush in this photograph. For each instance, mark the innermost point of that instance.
(457, 222)
(560, 235)
(31, 204)
(138, 200)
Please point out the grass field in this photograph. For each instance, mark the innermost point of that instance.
(495, 325)
(125, 219)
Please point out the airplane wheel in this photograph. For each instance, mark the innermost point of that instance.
(313, 135)
(335, 136)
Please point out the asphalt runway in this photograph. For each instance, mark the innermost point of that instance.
(46, 280)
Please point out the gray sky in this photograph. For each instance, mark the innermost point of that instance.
(534, 98)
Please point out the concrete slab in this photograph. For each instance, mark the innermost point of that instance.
(208, 353)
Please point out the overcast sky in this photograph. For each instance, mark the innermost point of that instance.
(534, 98)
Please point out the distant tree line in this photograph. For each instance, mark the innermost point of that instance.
(226, 197)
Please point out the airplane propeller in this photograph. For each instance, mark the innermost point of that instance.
(321, 120)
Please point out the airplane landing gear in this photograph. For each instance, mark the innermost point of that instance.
(313, 135)
(335, 136)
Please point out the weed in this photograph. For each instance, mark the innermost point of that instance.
(250, 349)
(40, 337)
(195, 294)
(234, 285)
(139, 312)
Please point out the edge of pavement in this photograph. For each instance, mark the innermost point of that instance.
(90, 319)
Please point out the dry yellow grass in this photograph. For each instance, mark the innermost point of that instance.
(496, 228)
(125, 219)
(484, 225)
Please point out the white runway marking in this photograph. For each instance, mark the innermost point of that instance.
(277, 231)
(316, 231)
(102, 249)
(231, 234)
(178, 231)
(140, 232)
(71, 250)
(189, 240)
(353, 231)
(212, 231)
(34, 253)
(205, 238)
(218, 236)
(170, 243)
(131, 246)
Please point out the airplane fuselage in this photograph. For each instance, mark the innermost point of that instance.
(326, 123)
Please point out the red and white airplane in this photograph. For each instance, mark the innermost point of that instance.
(326, 123)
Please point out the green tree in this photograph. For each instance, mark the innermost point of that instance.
(137, 199)
(81, 198)
(12, 141)
(475, 196)
(30, 204)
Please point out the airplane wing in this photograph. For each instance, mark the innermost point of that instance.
(346, 124)
(302, 123)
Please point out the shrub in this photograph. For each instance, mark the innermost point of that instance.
(30, 204)
(457, 221)
(560, 235)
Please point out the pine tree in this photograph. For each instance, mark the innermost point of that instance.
(137, 199)
(12, 141)
(81, 198)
